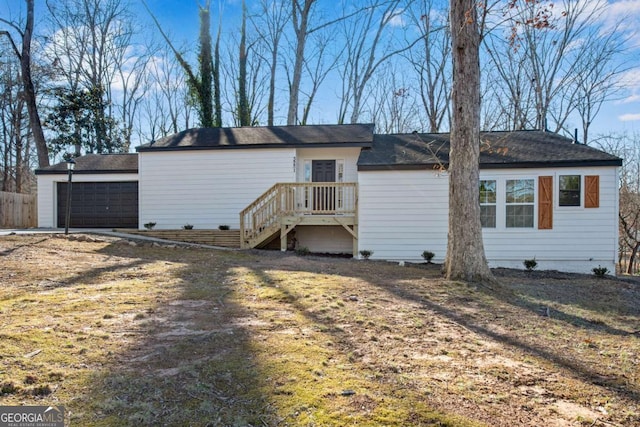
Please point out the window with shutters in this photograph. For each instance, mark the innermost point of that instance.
(520, 197)
(569, 190)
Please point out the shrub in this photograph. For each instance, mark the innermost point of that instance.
(149, 225)
(600, 271)
(428, 256)
(223, 227)
(8, 388)
(530, 264)
(187, 227)
(366, 253)
(303, 251)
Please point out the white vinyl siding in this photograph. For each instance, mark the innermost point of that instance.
(403, 213)
(207, 188)
(580, 238)
(47, 191)
(324, 239)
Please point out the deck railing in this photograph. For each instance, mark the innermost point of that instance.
(293, 199)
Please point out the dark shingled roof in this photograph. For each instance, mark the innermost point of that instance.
(357, 135)
(521, 149)
(95, 164)
(518, 149)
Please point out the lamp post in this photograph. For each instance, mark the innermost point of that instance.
(70, 165)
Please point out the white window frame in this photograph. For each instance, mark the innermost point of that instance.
(533, 203)
(494, 204)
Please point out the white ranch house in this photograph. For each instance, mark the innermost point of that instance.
(342, 189)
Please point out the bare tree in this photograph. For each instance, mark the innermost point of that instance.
(393, 105)
(598, 75)
(300, 15)
(465, 259)
(431, 60)
(369, 43)
(29, 94)
(167, 105)
(269, 22)
(508, 95)
(14, 125)
(318, 66)
(131, 74)
(91, 48)
(565, 64)
(246, 74)
(628, 148)
(303, 25)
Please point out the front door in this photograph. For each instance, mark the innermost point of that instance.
(323, 197)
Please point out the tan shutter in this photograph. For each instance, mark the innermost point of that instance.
(592, 191)
(545, 202)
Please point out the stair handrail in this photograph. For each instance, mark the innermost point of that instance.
(248, 228)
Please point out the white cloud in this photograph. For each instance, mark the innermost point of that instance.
(623, 9)
(631, 77)
(396, 19)
(623, 15)
(629, 99)
(630, 117)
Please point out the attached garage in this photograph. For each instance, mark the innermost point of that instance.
(104, 192)
(99, 204)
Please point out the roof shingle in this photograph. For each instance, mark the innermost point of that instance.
(264, 137)
(519, 149)
(96, 163)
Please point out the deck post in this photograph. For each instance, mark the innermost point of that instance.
(243, 243)
(283, 237)
(355, 241)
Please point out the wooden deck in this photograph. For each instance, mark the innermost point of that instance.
(286, 205)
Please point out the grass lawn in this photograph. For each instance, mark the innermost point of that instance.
(140, 334)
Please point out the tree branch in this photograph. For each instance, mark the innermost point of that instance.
(13, 44)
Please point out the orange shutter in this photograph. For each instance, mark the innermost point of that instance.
(592, 191)
(545, 202)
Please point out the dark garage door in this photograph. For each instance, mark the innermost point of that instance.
(100, 204)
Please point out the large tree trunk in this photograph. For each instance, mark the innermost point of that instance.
(632, 258)
(217, 103)
(244, 113)
(205, 58)
(465, 251)
(300, 23)
(30, 92)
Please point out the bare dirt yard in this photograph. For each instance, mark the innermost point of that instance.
(123, 333)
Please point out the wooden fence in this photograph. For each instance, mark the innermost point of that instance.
(18, 210)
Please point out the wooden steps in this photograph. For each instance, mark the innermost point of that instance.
(223, 238)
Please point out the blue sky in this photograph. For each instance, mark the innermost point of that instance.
(180, 18)
(618, 115)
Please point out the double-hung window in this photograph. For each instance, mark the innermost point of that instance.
(520, 198)
(488, 203)
(569, 190)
